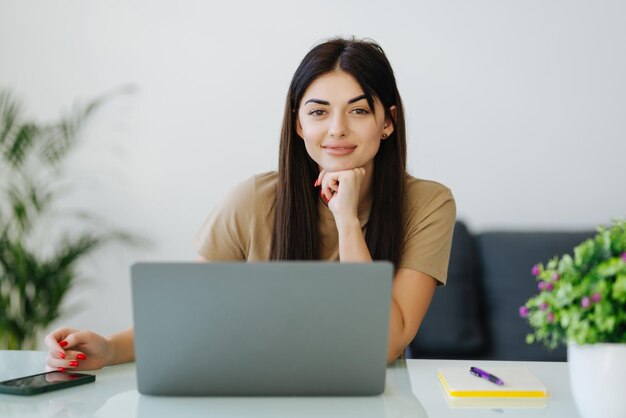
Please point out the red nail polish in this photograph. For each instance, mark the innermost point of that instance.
(61, 354)
(63, 343)
(61, 369)
(81, 356)
(317, 183)
(73, 363)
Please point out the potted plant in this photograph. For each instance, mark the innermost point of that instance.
(582, 303)
(34, 282)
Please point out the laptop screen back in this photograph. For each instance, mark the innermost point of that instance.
(276, 328)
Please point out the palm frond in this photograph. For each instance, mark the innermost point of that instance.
(40, 196)
(26, 201)
(16, 152)
(10, 111)
(63, 136)
(19, 208)
(72, 249)
(131, 239)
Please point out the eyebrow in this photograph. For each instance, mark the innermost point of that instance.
(324, 102)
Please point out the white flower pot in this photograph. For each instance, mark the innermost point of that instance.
(597, 374)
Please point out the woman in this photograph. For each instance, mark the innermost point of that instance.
(341, 193)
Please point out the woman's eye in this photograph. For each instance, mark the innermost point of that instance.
(317, 112)
(361, 111)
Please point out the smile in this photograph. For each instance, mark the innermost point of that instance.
(339, 150)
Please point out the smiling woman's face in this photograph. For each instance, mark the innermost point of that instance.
(339, 129)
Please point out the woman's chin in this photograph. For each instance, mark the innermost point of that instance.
(334, 167)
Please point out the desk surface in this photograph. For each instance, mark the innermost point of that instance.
(411, 390)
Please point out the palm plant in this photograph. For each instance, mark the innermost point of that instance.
(33, 282)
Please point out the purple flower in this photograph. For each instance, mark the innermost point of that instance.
(550, 317)
(585, 302)
(536, 270)
(624, 256)
(523, 311)
(543, 306)
(596, 297)
(555, 277)
(541, 285)
(548, 286)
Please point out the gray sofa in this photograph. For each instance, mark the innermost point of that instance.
(475, 316)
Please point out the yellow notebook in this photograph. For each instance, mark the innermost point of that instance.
(519, 383)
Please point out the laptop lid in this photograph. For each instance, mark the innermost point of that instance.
(275, 328)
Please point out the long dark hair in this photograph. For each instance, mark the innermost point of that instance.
(295, 233)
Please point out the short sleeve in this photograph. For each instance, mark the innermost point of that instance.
(428, 234)
(225, 234)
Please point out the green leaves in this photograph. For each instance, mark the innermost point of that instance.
(24, 139)
(618, 291)
(27, 144)
(33, 286)
(9, 113)
(585, 293)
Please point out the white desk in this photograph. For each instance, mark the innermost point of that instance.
(114, 394)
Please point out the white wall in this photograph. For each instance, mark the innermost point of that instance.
(518, 106)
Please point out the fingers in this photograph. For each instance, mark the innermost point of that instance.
(328, 187)
(53, 339)
(56, 342)
(73, 339)
(319, 179)
(73, 349)
(320, 182)
(333, 177)
(75, 355)
(59, 343)
(63, 361)
(329, 181)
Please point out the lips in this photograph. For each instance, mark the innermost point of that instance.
(338, 151)
(339, 146)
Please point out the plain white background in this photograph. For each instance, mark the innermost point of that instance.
(518, 106)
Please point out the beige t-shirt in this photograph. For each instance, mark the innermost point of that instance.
(240, 228)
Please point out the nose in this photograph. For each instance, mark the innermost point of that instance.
(338, 127)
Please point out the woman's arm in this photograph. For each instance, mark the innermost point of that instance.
(411, 290)
(122, 347)
(411, 294)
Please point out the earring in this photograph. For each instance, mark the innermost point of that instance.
(384, 136)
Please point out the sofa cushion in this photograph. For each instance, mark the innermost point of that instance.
(452, 326)
(506, 260)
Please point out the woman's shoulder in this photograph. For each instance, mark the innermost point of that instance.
(265, 183)
(256, 185)
(255, 194)
(252, 191)
(421, 193)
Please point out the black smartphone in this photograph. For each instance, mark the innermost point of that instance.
(44, 382)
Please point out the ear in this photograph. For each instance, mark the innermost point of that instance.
(394, 113)
(390, 126)
(299, 128)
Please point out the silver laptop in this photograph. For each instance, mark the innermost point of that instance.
(275, 328)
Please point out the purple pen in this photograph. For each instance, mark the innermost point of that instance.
(485, 375)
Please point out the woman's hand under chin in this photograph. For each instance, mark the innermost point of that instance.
(341, 190)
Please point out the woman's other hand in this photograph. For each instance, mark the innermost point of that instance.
(74, 349)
